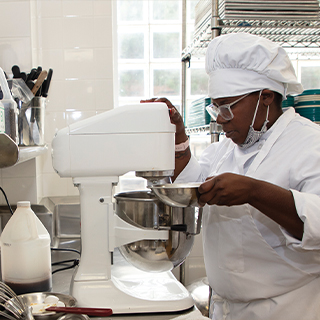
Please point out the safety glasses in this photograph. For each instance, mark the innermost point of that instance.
(224, 110)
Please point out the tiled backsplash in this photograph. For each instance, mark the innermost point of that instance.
(75, 39)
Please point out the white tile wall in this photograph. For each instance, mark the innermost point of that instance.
(15, 38)
(75, 39)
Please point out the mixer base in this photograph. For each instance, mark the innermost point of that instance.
(133, 291)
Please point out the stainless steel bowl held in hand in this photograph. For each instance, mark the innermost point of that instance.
(178, 194)
(144, 210)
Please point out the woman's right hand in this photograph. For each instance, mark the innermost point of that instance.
(175, 118)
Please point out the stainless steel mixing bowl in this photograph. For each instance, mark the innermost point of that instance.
(144, 209)
(200, 292)
(31, 299)
(178, 194)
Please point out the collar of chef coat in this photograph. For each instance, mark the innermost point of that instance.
(246, 161)
(243, 158)
(270, 137)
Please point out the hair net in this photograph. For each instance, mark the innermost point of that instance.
(240, 63)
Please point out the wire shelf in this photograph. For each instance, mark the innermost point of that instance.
(289, 34)
(197, 130)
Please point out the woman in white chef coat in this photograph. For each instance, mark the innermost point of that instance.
(261, 234)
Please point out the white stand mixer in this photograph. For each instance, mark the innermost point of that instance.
(95, 152)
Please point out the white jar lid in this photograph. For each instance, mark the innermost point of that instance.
(23, 204)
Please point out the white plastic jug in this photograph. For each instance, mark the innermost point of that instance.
(25, 252)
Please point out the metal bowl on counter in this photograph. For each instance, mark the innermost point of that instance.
(200, 292)
(74, 317)
(178, 194)
(37, 302)
(144, 209)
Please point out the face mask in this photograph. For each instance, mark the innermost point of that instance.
(254, 135)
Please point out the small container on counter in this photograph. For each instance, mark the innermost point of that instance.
(25, 252)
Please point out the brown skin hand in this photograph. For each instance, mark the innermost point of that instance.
(181, 158)
(229, 189)
(232, 189)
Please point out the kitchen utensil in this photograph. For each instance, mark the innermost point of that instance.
(39, 81)
(33, 299)
(30, 84)
(23, 76)
(17, 74)
(144, 209)
(20, 90)
(13, 304)
(94, 312)
(200, 292)
(46, 84)
(178, 195)
(71, 316)
(31, 75)
(9, 151)
(39, 70)
(15, 71)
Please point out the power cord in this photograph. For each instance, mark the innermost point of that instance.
(75, 262)
(66, 249)
(5, 196)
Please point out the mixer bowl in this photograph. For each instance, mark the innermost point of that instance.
(144, 210)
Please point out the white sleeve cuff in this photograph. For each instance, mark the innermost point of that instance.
(308, 209)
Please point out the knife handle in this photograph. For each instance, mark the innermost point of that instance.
(39, 81)
(98, 312)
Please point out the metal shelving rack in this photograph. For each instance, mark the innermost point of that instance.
(297, 34)
(289, 34)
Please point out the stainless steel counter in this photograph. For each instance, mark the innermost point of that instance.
(61, 283)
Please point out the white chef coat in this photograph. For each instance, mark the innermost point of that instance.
(257, 269)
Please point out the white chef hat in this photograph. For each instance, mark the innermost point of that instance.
(239, 63)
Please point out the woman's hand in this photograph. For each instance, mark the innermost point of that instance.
(181, 158)
(226, 189)
(175, 118)
(229, 189)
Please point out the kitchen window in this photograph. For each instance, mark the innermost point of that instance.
(149, 52)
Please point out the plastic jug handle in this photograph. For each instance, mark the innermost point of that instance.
(4, 86)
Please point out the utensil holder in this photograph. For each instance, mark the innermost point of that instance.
(31, 122)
